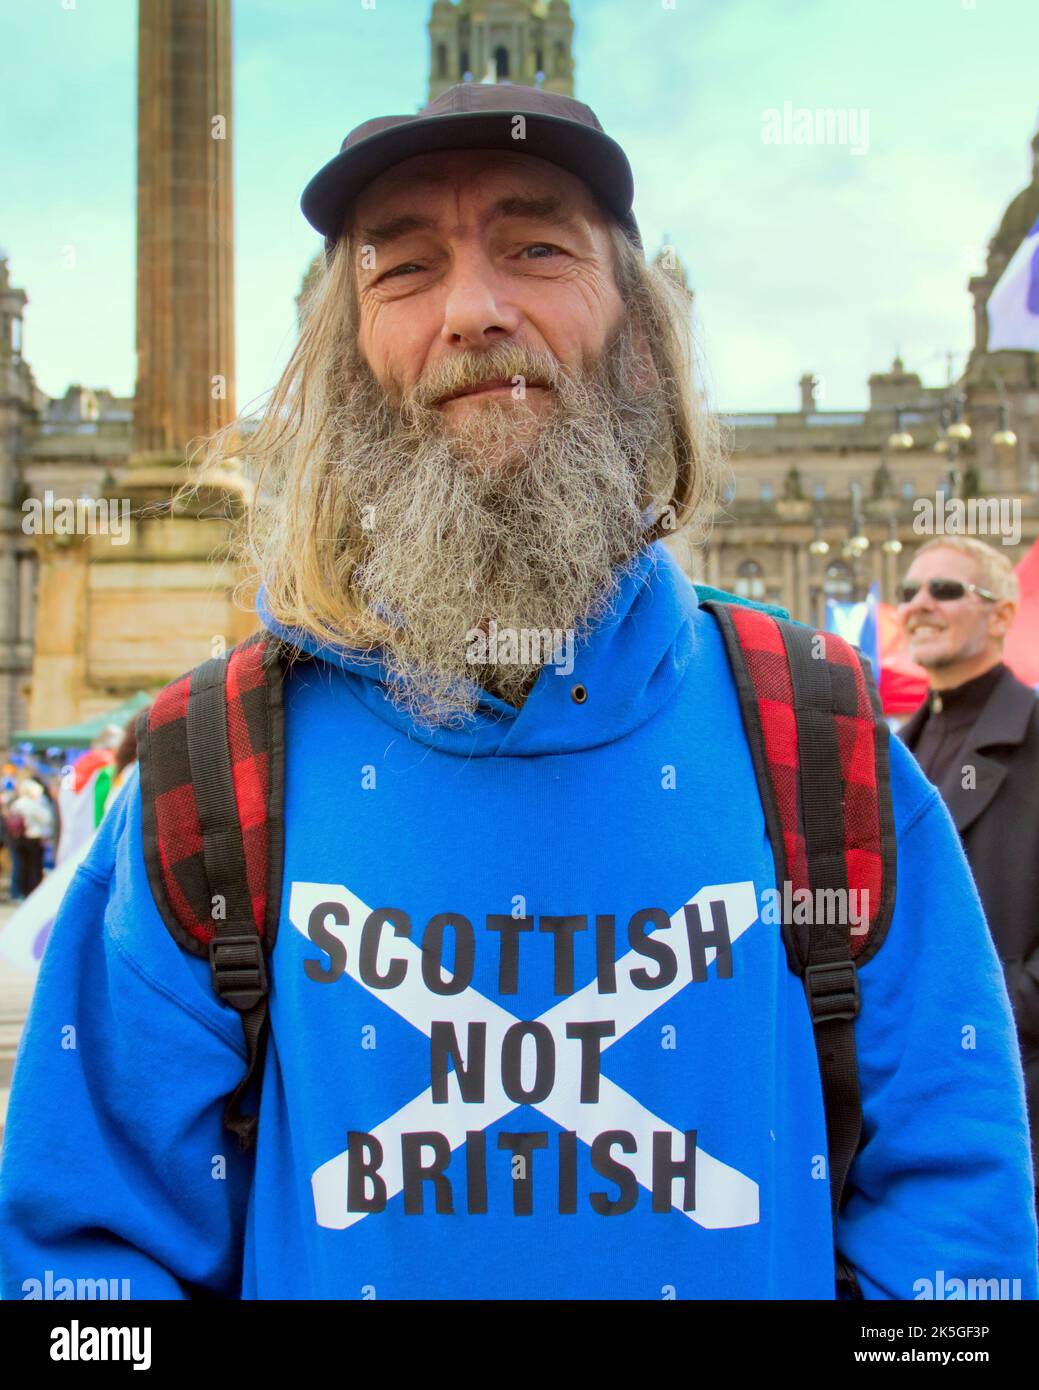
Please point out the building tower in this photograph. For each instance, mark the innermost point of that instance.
(525, 41)
(19, 399)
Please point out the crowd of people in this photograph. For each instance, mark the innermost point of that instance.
(51, 803)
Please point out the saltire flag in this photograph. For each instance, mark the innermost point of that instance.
(1013, 305)
(858, 624)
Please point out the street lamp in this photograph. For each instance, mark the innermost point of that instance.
(958, 429)
(941, 444)
(817, 545)
(901, 440)
(1004, 437)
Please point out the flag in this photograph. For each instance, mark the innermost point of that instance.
(24, 934)
(857, 623)
(1013, 305)
(1021, 650)
(903, 684)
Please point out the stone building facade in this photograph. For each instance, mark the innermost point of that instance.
(807, 487)
(21, 403)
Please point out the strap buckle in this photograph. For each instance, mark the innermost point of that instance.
(238, 969)
(832, 988)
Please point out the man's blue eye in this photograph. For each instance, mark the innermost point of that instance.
(397, 269)
(546, 245)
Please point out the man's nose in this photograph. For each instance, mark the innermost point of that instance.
(477, 308)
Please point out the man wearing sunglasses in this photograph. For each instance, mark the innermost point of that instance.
(976, 736)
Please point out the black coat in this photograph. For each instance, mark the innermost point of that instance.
(998, 821)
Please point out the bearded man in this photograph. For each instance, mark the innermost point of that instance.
(532, 1032)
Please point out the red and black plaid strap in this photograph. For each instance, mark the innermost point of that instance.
(211, 750)
(819, 744)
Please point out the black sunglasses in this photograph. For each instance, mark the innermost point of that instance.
(942, 590)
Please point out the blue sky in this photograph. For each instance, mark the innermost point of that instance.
(803, 257)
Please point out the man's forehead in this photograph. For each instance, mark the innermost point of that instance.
(497, 171)
(947, 562)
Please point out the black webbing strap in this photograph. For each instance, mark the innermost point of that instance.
(236, 953)
(830, 976)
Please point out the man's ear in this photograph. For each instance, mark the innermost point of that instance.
(1002, 616)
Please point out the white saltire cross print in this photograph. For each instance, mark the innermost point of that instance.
(724, 1196)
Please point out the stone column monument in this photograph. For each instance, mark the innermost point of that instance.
(119, 616)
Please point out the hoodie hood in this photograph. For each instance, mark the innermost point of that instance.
(630, 662)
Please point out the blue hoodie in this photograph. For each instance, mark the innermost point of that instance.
(504, 1062)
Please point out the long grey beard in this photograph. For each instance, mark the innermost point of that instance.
(525, 522)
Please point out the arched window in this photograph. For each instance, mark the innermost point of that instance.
(464, 71)
(441, 60)
(838, 582)
(750, 580)
(501, 62)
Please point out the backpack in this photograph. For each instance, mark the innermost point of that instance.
(211, 752)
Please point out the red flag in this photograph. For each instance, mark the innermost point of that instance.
(903, 684)
(1021, 650)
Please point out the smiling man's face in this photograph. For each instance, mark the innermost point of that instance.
(465, 251)
(953, 639)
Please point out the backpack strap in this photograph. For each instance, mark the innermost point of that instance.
(211, 752)
(819, 744)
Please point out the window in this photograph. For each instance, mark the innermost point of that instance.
(820, 491)
(750, 580)
(441, 60)
(767, 491)
(465, 73)
(501, 62)
(909, 489)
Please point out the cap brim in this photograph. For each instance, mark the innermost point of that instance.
(589, 154)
